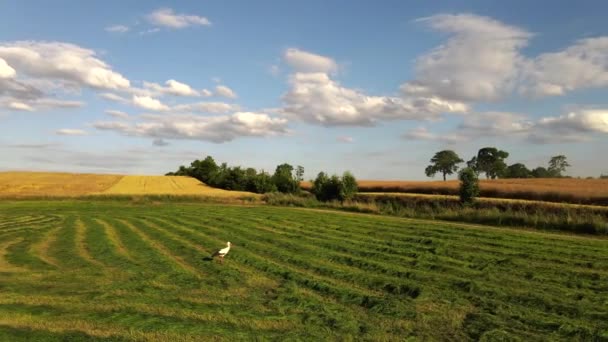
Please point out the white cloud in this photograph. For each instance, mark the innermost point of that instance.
(168, 18)
(479, 62)
(117, 114)
(62, 61)
(6, 71)
(422, 133)
(224, 91)
(117, 28)
(216, 129)
(206, 107)
(588, 120)
(149, 31)
(20, 106)
(147, 102)
(206, 93)
(173, 87)
(70, 131)
(113, 97)
(316, 98)
(582, 65)
(304, 61)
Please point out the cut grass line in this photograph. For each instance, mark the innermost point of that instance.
(178, 261)
(41, 248)
(6, 266)
(115, 239)
(81, 246)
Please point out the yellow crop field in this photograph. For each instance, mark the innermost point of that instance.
(167, 185)
(16, 184)
(54, 184)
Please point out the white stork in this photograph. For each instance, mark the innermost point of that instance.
(221, 253)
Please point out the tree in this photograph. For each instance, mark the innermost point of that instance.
(540, 172)
(557, 165)
(300, 173)
(518, 170)
(284, 180)
(334, 188)
(473, 164)
(204, 170)
(349, 186)
(491, 161)
(469, 185)
(445, 162)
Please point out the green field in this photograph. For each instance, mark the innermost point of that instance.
(76, 270)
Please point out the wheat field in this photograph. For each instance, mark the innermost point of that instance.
(53, 184)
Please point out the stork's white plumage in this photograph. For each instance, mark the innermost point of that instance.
(222, 252)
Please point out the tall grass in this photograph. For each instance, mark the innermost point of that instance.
(545, 216)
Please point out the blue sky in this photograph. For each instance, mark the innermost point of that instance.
(375, 87)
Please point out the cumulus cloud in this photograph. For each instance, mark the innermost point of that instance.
(113, 97)
(479, 62)
(172, 87)
(70, 131)
(217, 129)
(117, 114)
(571, 127)
(304, 61)
(147, 102)
(117, 29)
(316, 98)
(32, 105)
(206, 107)
(62, 61)
(166, 17)
(224, 91)
(20, 106)
(6, 71)
(582, 65)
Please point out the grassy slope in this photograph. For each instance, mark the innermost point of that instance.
(72, 270)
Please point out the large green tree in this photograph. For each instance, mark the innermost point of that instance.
(491, 161)
(445, 162)
(518, 170)
(284, 179)
(557, 165)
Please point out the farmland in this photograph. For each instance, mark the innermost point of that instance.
(571, 190)
(51, 184)
(122, 271)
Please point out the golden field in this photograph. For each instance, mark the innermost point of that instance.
(584, 191)
(54, 184)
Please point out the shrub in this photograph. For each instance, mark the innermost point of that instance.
(469, 185)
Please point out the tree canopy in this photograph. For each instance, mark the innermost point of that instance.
(445, 162)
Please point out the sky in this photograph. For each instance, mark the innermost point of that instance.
(373, 87)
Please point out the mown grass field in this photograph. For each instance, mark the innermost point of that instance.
(76, 270)
(55, 184)
(570, 190)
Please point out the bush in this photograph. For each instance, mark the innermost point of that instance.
(469, 185)
(334, 188)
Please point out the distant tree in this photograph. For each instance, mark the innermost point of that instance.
(491, 161)
(264, 183)
(334, 188)
(300, 173)
(604, 176)
(473, 164)
(284, 180)
(349, 186)
(517, 170)
(540, 172)
(469, 185)
(557, 165)
(204, 170)
(445, 162)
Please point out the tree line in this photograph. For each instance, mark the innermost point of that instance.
(285, 179)
(491, 162)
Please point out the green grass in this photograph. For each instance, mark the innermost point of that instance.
(124, 271)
